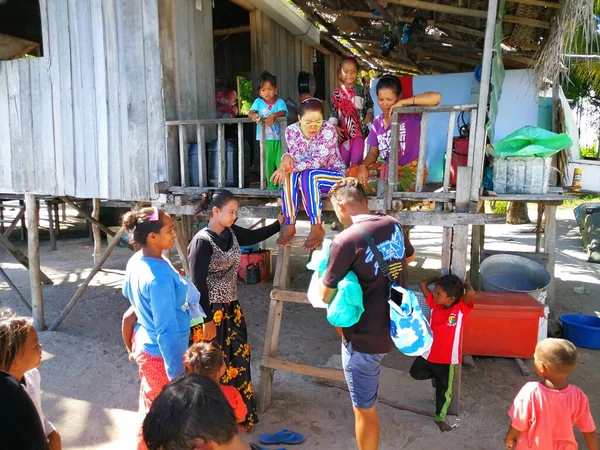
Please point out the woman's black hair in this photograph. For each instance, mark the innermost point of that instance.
(452, 286)
(212, 198)
(189, 408)
(348, 59)
(309, 105)
(389, 81)
(266, 77)
(143, 222)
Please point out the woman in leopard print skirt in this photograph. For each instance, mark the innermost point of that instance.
(214, 256)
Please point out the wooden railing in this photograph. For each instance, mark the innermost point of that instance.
(391, 186)
(200, 129)
(391, 191)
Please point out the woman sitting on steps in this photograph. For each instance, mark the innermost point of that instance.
(310, 168)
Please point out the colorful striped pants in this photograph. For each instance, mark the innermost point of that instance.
(310, 184)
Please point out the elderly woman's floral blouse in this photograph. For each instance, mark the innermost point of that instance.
(320, 152)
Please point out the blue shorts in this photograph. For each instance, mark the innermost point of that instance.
(362, 375)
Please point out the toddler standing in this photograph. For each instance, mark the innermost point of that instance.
(206, 358)
(543, 413)
(269, 107)
(450, 303)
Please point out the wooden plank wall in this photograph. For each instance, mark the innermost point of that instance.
(332, 63)
(87, 119)
(186, 47)
(275, 49)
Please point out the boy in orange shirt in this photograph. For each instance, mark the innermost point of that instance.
(543, 413)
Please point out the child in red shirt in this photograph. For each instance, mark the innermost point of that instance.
(450, 302)
(544, 413)
(206, 358)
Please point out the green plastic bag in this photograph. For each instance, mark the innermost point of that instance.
(347, 306)
(532, 141)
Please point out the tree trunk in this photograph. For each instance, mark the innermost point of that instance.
(517, 213)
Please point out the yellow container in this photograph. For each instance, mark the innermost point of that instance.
(577, 175)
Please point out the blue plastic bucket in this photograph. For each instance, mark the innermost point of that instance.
(581, 330)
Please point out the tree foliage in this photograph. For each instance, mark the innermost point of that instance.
(583, 79)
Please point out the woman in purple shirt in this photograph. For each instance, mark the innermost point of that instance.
(389, 91)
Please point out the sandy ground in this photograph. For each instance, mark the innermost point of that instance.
(91, 388)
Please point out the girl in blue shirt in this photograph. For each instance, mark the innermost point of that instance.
(158, 295)
(269, 107)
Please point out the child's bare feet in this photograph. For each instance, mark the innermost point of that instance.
(286, 235)
(444, 426)
(315, 237)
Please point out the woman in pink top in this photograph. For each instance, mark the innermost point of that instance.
(544, 413)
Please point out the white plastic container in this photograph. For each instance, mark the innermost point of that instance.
(521, 175)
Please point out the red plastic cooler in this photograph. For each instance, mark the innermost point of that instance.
(502, 324)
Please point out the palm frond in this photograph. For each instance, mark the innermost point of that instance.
(575, 25)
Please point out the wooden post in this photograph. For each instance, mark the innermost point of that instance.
(539, 227)
(33, 250)
(449, 141)
(477, 236)
(460, 243)
(240, 136)
(63, 210)
(446, 250)
(263, 155)
(201, 139)
(390, 186)
(422, 147)
(550, 248)
(67, 309)
(23, 227)
(56, 218)
(221, 156)
(181, 244)
(486, 73)
(280, 280)
(96, 231)
(183, 156)
(472, 126)
(51, 226)
(2, 219)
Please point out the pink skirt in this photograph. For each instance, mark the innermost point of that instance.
(153, 379)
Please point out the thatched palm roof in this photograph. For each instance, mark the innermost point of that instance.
(448, 35)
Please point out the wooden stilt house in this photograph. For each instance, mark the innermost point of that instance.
(120, 88)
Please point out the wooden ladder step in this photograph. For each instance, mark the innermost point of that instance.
(284, 295)
(303, 369)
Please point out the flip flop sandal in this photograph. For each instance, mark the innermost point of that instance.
(282, 437)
